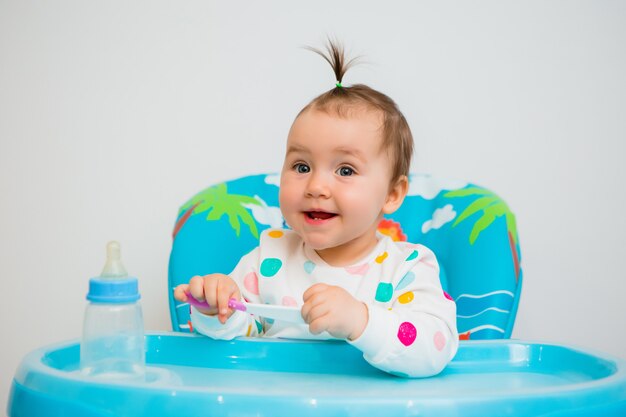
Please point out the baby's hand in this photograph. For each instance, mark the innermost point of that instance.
(216, 289)
(333, 309)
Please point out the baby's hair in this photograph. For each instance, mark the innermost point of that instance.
(397, 137)
(336, 57)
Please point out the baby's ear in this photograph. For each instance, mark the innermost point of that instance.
(396, 195)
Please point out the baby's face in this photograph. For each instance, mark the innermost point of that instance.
(335, 183)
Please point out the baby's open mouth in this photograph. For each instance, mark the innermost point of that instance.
(319, 215)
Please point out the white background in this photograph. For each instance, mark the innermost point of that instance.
(113, 113)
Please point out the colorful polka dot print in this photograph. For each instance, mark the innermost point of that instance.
(381, 258)
(251, 283)
(408, 278)
(308, 267)
(440, 341)
(384, 292)
(358, 269)
(270, 267)
(412, 256)
(406, 298)
(407, 333)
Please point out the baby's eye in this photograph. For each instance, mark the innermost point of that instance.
(345, 171)
(302, 168)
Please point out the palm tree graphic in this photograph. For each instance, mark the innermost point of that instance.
(492, 207)
(218, 202)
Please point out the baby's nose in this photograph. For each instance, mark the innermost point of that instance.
(317, 186)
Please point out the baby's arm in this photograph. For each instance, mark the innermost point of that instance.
(414, 334)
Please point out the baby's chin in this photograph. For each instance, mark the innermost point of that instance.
(326, 246)
(325, 241)
(317, 245)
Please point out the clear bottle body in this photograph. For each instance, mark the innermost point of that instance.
(113, 344)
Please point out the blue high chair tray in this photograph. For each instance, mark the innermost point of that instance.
(193, 375)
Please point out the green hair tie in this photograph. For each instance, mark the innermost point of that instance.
(338, 84)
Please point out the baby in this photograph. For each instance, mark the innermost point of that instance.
(346, 165)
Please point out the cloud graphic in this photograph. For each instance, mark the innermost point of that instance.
(428, 187)
(273, 179)
(265, 214)
(441, 216)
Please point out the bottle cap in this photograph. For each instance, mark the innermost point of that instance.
(113, 285)
(113, 291)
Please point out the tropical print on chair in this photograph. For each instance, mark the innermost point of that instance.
(471, 230)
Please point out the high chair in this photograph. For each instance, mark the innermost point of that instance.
(470, 229)
(473, 234)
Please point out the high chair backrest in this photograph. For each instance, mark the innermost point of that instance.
(470, 229)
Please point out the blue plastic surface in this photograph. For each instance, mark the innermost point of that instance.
(194, 375)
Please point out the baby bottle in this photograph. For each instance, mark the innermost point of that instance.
(112, 345)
